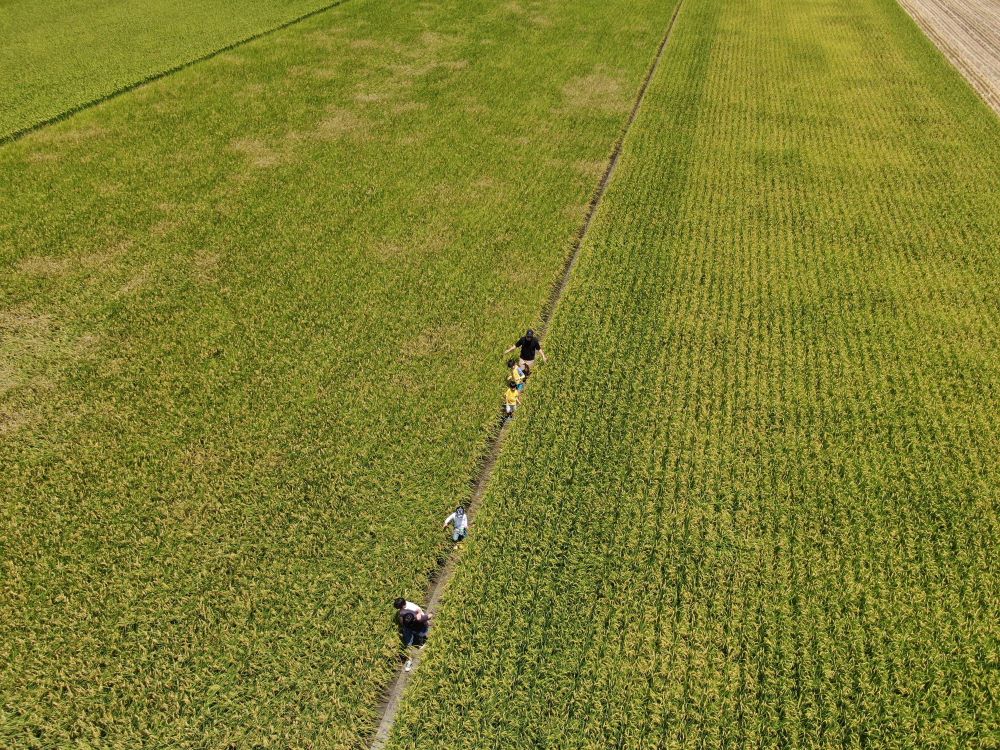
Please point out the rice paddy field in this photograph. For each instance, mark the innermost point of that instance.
(755, 503)
(250, 354)
(57, 57)
(252, 317)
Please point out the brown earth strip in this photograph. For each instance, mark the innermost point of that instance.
(968, 33)
(394, 694)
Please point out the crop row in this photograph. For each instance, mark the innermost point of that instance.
(753, 502)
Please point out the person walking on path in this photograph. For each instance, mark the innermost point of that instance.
(511, 399)
(530, 346)
(414, 624)
(461, 521)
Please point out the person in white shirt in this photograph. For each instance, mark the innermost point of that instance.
(461, 521)
(414, 624)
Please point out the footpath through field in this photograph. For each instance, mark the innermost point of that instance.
(968, 32)
(396, 690)
(250, 355)
(754, 500)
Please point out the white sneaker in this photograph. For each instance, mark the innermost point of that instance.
(408, 666)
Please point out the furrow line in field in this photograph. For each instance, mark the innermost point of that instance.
(153, 77)
(440, 581)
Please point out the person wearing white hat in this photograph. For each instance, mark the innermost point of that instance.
(461, 521)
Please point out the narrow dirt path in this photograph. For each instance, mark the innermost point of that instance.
(394, 695)
(968, 33)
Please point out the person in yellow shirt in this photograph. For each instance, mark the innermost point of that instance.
(511, 399)
(518, 373)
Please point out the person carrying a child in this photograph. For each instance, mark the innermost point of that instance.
(414, 624)
(518, 373)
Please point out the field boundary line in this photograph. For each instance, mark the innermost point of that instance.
(963, 57)
(159, 75)
(392, 698)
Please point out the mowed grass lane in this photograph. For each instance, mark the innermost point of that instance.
(753, 501)
(252, 321)
(58, 56)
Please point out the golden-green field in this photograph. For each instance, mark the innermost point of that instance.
(252, 317)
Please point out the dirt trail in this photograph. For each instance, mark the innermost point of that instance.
(394, 694)
(968, 33)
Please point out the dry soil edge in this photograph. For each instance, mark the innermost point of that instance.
(967, 32)
(393, 696)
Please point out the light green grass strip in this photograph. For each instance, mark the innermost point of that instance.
(753, 502)
(252, 325)
(59, 57)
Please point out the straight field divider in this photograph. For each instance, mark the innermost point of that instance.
(153, 77)
(439, 582)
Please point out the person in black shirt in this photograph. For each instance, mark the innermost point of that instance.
(530, 346)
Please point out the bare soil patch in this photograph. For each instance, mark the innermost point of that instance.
(598, 90)
(968, 33)
(58, 266)
(258, 153)
(339, 122)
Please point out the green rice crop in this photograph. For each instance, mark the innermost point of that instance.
(250, 353)
(56, 57)
(753, 503)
